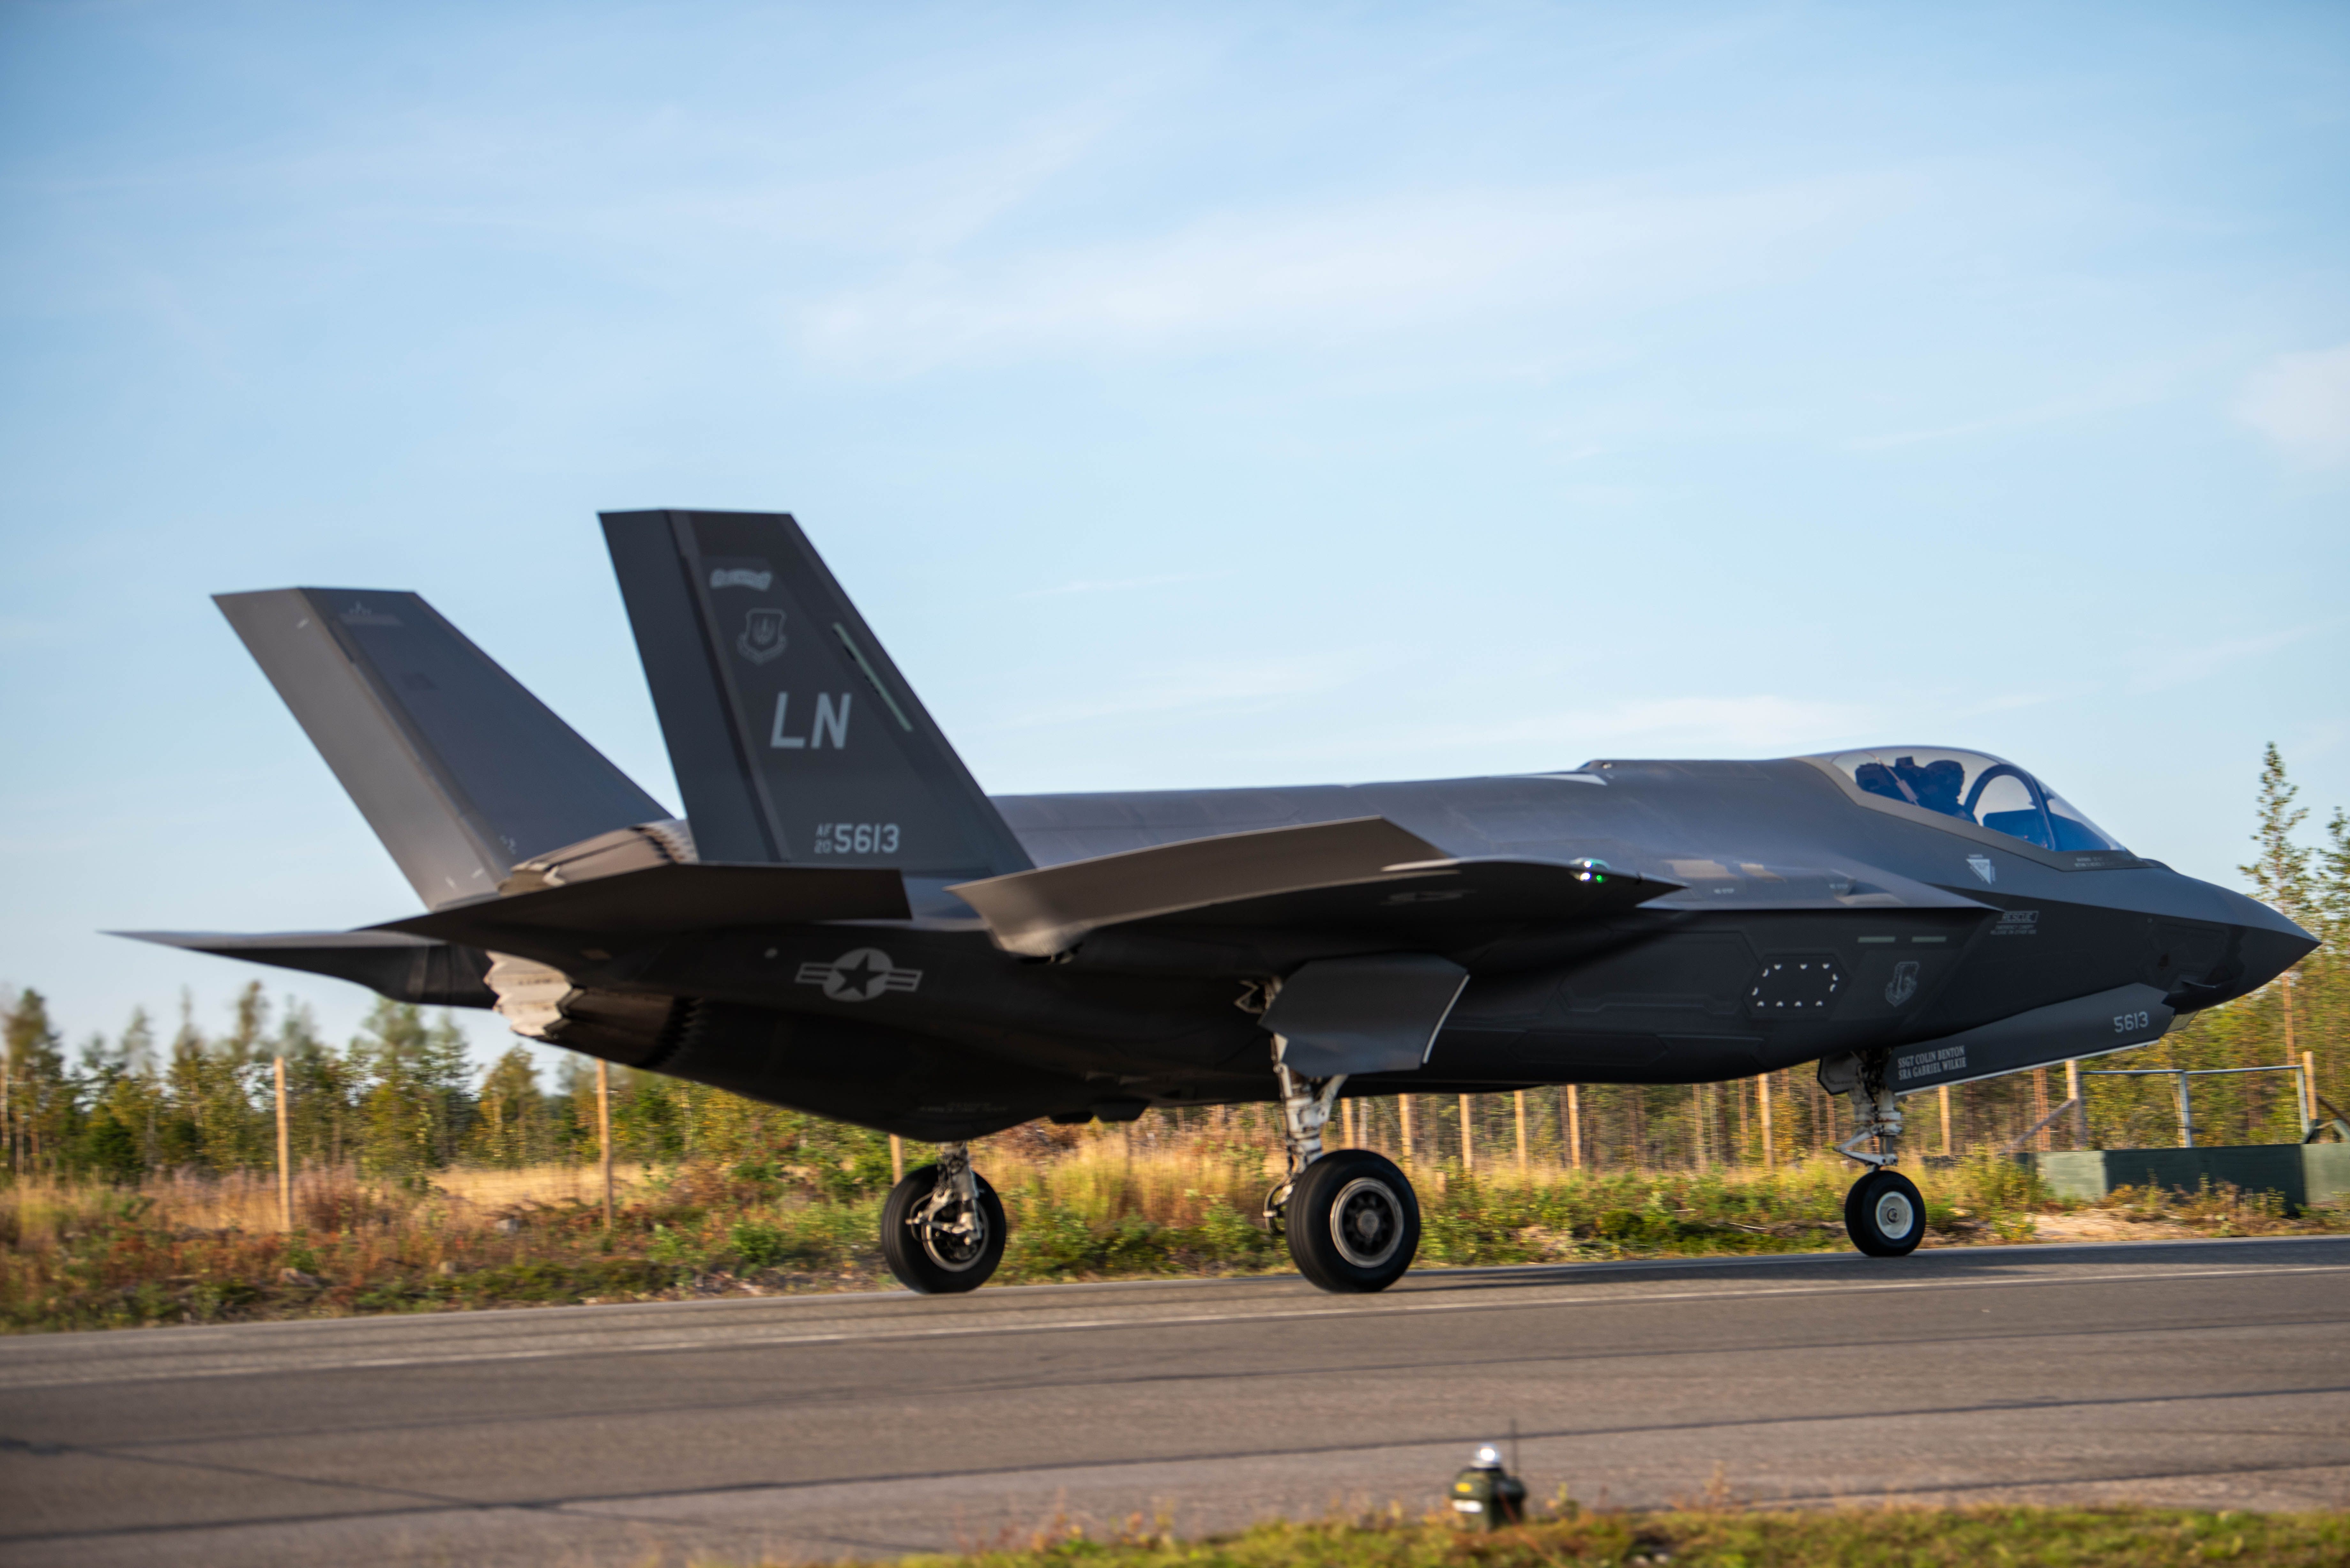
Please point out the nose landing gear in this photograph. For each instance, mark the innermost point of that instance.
(943, 1228)
(1883, 1213)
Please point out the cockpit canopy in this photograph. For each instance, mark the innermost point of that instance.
(1974, 788)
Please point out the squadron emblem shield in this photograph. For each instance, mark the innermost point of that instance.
(762, 636)
(1904, 983)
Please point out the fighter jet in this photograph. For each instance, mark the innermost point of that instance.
(844, 923)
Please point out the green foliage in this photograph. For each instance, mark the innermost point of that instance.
(511, 1128)
(757, 1245)
(1991, 1183)
(2117, 1537)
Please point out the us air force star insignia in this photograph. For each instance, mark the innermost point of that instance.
(859, 975)
(762, 636)
(1982, 866)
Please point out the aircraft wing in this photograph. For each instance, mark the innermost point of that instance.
(551, 923)
(1365, 874)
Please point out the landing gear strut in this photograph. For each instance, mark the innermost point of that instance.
(942, 1228)
(1351, 1217)
(1883, 1212)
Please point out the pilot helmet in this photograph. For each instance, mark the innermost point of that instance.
(1488, 1457)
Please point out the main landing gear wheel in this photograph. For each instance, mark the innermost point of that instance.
(939, 1241)
(1884, 1215)
(1353, 1221)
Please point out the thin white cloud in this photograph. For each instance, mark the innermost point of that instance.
(1339, 272)
(1120, 585)
(1228, 686)
(2179, 666)
(1707, 725)
(2300, 402)
(2133, 387)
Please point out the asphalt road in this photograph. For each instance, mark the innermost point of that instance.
(2213, 1372)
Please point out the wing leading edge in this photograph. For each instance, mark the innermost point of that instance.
(1362, 875)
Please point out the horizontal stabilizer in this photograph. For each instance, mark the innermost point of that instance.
(1365, 874)
(458, 768)
(389, 964)
(1363, 1014)
(634, 907)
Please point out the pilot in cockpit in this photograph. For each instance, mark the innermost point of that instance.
(1935, 786)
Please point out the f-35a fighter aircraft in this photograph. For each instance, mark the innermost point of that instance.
(844, 923)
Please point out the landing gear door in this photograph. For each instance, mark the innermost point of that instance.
(1363, 1014)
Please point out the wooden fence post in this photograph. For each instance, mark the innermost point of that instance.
(1769, 1148)
(285, 1156)
(1522, 1131)
(1467, 1138)
(2285, 992)
(1944, 1091)
(2080, 1106)
(1574, 1125)
(604, 1133)
(896, 1159)
(1403, 1109)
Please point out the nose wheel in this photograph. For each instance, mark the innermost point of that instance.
(943, 1228)
(1883, 1214)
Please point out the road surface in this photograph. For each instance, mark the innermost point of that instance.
(2213, 1372)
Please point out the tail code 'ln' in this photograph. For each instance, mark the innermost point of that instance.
(793, 735)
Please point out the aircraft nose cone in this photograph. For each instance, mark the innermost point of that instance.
(2273, 945)
(2259, 944)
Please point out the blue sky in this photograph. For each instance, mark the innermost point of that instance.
(1189, 396)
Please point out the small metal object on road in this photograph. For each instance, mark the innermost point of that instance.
(1487, 1497)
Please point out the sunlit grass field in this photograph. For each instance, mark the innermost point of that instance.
(1722, 1537)
(194, 1249)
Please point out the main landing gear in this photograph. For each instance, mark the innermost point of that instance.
(1883, 1212)
(942, 1228)
(1351, 1217)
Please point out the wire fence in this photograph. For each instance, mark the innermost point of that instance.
(1773, 1119)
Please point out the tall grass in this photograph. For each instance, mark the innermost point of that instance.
(191, 1248)
(1703, 1536)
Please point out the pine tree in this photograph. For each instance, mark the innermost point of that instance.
(414, 1110)
(510, 1120)
(39, 1102)
(2280, 873)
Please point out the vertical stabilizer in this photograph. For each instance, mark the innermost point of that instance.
(461, 770)
(792, 736)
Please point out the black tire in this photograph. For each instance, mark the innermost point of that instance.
(1886, 1217)
(935, 1266)
(1352, 1222)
